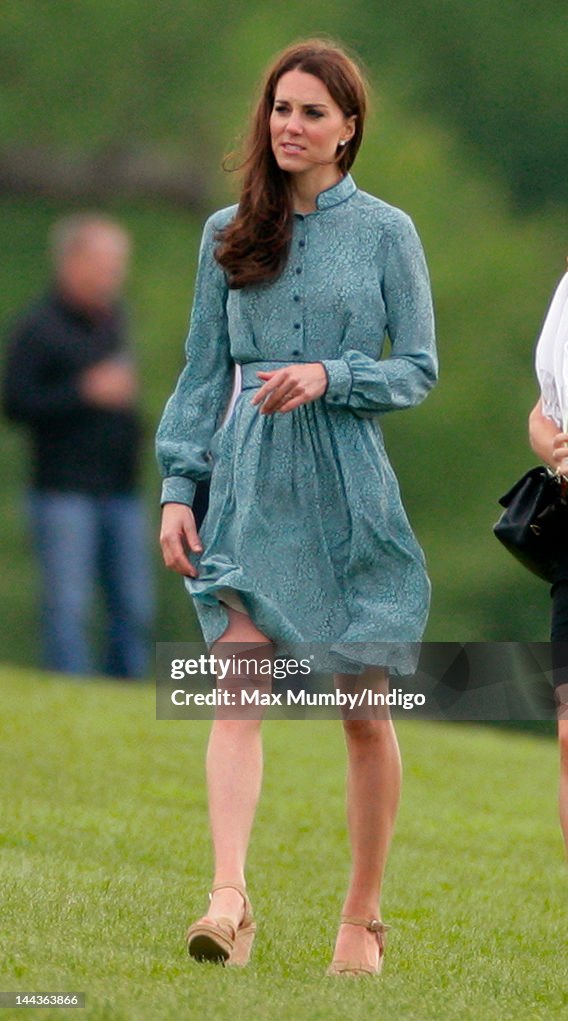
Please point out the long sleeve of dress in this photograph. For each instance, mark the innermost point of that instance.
(203, 390)
(370, 386)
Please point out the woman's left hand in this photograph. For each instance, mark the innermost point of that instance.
(291, 386)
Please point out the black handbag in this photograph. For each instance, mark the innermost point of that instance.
(534, 524)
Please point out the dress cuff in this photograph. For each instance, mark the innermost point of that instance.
(340, 381)
(177, 489)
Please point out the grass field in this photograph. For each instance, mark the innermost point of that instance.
(106, 859)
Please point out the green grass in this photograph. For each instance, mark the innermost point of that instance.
(106, 858)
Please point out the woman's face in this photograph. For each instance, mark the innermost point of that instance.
(306, 124)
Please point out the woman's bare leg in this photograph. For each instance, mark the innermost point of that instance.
(234, 766)
(373, 792)
(563, 791)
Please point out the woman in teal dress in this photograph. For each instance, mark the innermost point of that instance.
(306, 542)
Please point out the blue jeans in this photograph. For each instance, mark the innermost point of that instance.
(80, 539)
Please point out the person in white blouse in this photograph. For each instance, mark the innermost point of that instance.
(548, 434)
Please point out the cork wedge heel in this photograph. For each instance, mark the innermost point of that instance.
(218, 940)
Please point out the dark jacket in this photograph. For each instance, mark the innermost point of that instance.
(75, 446)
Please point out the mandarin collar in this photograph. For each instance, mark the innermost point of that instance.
(337, 193)
(333, 196)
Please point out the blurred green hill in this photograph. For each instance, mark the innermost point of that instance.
(445, 142)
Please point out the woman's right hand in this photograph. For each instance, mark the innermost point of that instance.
(178, 533)
(560, 451)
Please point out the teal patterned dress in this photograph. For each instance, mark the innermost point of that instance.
(305, 520)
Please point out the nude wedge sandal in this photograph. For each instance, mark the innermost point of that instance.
(217, 939)
(360, 967)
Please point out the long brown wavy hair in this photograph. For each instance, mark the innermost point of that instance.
(254, 247)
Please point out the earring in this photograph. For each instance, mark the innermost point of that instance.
(344, 142)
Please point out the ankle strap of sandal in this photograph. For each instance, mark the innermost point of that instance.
(236, 886)
(373, 924)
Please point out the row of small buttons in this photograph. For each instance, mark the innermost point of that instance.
(297, 298)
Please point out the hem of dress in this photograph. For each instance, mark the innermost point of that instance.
(399, 658)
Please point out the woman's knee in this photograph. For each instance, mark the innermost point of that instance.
(367, 731)
(236, 730)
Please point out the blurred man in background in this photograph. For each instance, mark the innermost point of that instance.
(70, 379)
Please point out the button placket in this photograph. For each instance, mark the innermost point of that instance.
(299, 249)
